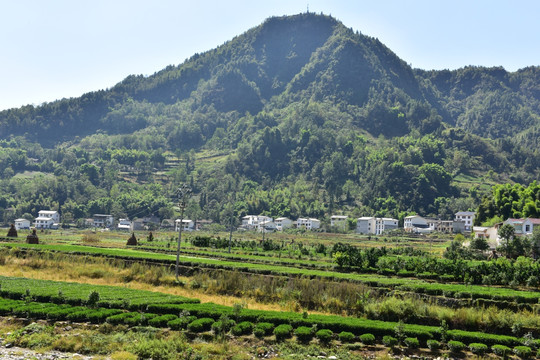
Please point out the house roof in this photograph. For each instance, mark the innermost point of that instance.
(365, 218)
(22, 220)
(465, 213)
(480, 228)
(339, 217)
(535, 221)
(515, 221)
(42, 218)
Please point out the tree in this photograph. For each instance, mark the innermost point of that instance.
(479, 243)
(507, 233)
(535, 242)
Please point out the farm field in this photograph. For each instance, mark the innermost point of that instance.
(286, 293)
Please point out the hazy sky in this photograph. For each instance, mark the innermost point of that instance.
(64, 48)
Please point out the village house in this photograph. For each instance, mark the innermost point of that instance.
(267, 226)
(523, 226)
(124, 224)
(339, 221)
(416, 224)
(145, 223)
(283, 223)
(47, 219)
(308, 223)
(252, 222)
(467, 217)
(102, 221)
(187, 225)
(22, 224)
(446, 226)
(376, 226)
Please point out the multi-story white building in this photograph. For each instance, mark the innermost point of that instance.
(308, 223)
(103, 221)
(416, 224)
(283, 223)
(47, 219)
(376, 226)
(467, 217)
(252, 222)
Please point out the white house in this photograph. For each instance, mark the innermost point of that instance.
(308, 223)
(54, 215)
(187, 225)
(467, 217)
(376, 226)
(102, 221)
(523, 226)
(251, 222)
(339, 221)
(47, 219)
(489, 233)
(416, 224)
(22, 224)
(283, 223)
(267, 226)
(124, 224)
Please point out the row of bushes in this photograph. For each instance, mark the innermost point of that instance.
(413, 285)
(337, 324)
(267, 323)
(78, 293)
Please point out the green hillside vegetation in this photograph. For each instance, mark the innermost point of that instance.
(299, 116)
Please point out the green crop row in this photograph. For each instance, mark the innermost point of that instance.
(77, 293)
(55, 312)
(414, 285)
(177, 316)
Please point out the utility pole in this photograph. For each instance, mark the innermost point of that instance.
(230, 233)
(183, 192)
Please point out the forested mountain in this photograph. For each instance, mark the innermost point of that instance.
(299, 116)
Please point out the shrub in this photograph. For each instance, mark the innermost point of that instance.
(501, 350)
(93, 299)
(283, 332)
(324, 335)
(433, 345)
(303, 334)
(200, 325)
(523, 352)
(412, 343)
(223, 325)
(346, 337)
(162, 321)
(181, 323)
(478, 348)
(389, 341)
(456, 346)
(263, 329)
(367, 339)
(243, 328)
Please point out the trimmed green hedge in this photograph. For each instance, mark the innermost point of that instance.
(283, 331)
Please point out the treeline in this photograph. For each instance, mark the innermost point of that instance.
(509, 201)
(308, 118)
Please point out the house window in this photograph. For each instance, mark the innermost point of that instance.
(527, 228)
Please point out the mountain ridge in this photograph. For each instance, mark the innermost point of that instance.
(296, 100)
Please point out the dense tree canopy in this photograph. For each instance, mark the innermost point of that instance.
(299, 116)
